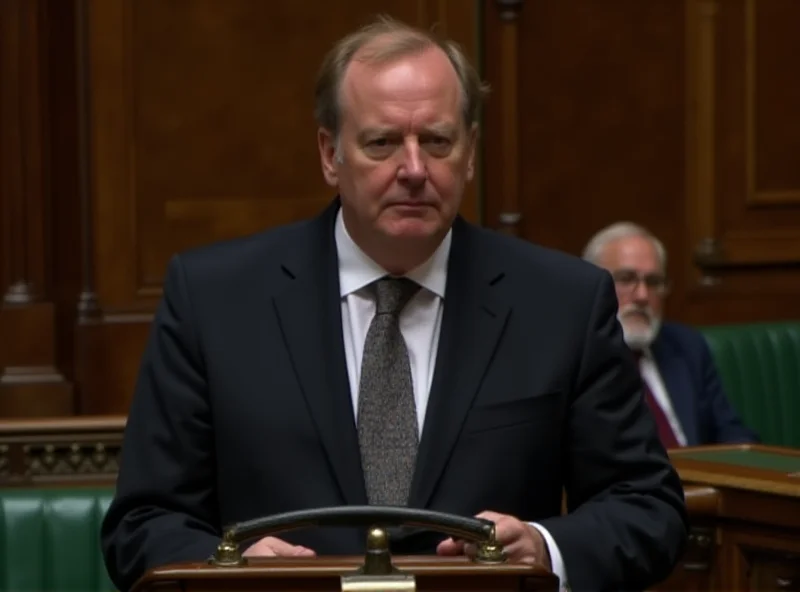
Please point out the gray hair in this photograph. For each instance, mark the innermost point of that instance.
(618, 230)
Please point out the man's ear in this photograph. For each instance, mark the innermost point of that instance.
(472, 146)
(327, 155)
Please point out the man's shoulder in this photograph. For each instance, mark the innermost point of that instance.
(536, 261)
(683, 341)
(244, 252)
(681, 333)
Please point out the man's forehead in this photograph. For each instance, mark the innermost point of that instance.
(427, 67)
(632, 252)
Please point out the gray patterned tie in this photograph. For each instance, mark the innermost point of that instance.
(387, 417)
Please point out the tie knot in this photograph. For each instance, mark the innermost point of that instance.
(392, 294)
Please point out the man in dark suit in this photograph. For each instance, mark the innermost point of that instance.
(388, 352)
(681, 382)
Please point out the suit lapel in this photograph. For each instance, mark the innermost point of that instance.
(309, 313)
(473, 321)
(677, 381)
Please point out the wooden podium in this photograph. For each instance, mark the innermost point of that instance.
(376, 571)
(744, 508)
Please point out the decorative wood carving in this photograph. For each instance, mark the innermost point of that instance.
(60, 451)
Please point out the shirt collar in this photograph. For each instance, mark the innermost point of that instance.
(357, 269)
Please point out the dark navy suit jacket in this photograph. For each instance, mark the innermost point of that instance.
(243, 409)
(690, 376)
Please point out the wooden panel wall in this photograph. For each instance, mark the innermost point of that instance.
(678, 115)
(132, 129)
(175, 124)
(31, 377)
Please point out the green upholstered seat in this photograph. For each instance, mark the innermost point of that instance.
(759, 364)
(49, 539)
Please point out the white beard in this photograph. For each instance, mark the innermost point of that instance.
(639, 336)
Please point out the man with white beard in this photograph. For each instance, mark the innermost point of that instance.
(681, 383)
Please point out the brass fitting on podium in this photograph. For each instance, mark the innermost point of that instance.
(377, 559)
(227, 553)
(377, 574)
(490, 551)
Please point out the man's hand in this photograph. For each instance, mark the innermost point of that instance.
(273, 547)
(521, 541)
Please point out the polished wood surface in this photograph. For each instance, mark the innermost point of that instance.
(740, 478)
(431, 574)
(745, 520)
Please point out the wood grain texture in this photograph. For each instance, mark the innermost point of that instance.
(31, 381)
(132, 130)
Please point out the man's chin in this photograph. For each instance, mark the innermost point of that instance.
(413, 228)
(638, 340)
(639, 337)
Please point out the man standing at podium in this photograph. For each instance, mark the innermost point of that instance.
(389, 353)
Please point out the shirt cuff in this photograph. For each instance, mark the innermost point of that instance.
(556, 562)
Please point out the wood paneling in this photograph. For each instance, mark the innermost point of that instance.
(133, 129)
(201, 129)
(676, 115)
(598, 111)
(30, 381)
(743, 222)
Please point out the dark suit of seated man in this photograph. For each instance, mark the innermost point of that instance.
(681, 381)
(389, 353)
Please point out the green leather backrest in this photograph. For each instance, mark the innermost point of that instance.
(759, 364)
(50, 540)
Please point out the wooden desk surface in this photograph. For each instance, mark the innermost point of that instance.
(744, 505)
(747, 467)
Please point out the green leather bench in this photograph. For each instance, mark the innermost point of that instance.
(49, 540)
(759, 364)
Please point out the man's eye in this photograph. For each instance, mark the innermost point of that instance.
(625, 277)
(380, 148)
(438, 145)
(437, 141)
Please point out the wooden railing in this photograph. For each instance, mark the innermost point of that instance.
(60, 451)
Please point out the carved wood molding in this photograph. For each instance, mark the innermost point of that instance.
(22, 147)
(60, 451)
(510, 215)
(701, 133)
(29, 376)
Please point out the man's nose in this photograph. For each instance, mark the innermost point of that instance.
(641, 293)
(413, 169)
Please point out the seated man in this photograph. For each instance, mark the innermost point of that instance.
(681, 382)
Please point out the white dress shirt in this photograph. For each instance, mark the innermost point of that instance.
(652, 377)
(420, 324)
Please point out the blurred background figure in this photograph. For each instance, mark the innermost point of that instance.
(681, 382)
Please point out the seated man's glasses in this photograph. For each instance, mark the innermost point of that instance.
(627, 280)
